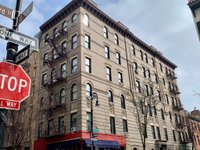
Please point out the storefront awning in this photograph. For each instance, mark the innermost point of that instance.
(103, 144)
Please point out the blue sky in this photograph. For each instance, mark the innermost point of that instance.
(167, 25)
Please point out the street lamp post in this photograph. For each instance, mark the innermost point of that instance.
(93, 96)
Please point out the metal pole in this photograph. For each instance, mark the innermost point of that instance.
(12, 49)
(91, 131)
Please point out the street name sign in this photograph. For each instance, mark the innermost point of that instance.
(6, 12)
(25, 13)
(22, 55)
(14, 85)
(18, 38)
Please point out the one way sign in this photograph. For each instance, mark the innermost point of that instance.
(18, 38)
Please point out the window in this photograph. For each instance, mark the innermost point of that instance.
(132, 50)
(174, 135)
(110, 96)
(105, 32)
(144, 72)
(138, 89)
(42, 103)
(170, 116)
(74, 41)
(153, 132)
(54, 54)
(63, 70)
(40, 127)
(108, 74)
(61, 125)
(153, 62)
(167, 99)
(163, 81)
(74, 19)
(50, 127)
(155, 111)
(158, 133)
(141, 107)
(88, 90)
(141, 55)
(64, 26)
(116, 39)
(135, 66)
(44, 79)
(88, 121)
(162, 114)
(149, 74)
(64, 47)
(125, 125)
(88, 67)
(120, 77)
(73, 121)
(53, 76)
(46, 39)
(55, 33)
(118, 58)
(161, 68)
(86, 19)
(112, 125)
(74, 65)
(123, 104)
(74, 91)
(166, 134)
(156, 78)
(150, 110)
(45, 59)
(146, 58)
(62, 96)
(107, 52)
(87, 41)
(146, 89)
(151, 91)
(159, 95)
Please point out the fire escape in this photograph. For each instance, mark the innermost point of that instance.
(56, 99)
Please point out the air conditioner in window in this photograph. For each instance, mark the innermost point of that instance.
(126, 134)
(73, 129)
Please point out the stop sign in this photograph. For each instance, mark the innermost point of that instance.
(14, 85)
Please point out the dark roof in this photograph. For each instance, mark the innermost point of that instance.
(74, 4)
(194, 4)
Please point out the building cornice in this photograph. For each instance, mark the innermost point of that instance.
(86, 4)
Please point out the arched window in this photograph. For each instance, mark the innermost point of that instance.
(53, 76)
(55, 33)
(74, 91)
(74, 19)
(62, 96)
(110, 96)
(153, 62)
(162, 114)
(88, 90)
(132, 50)
(64, 26)
(86, 20)
(105, 32)
(134, 148)
(123, 104)
(116, 39)
(135, 66)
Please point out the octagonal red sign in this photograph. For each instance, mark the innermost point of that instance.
(14, 85)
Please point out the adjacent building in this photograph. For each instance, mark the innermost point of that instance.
(195, 8)
(84, 51)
